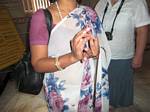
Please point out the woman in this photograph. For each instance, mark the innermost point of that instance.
(69, 58)
(126, 22)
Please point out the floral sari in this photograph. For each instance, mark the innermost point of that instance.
(81, 87)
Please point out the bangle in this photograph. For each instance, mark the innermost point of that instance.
(57, 64)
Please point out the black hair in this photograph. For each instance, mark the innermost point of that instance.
(52, 1)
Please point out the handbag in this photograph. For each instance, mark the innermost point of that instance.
(29, 81)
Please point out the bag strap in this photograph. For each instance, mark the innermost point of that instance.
(49, 21)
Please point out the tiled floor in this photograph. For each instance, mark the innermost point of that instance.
(13, 101)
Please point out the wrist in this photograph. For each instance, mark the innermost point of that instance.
(73, 58)
(57, 64)
(138, 55)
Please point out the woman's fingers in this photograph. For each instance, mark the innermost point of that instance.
(85, 45)
(84, 33)
(77, 48)
(94, 46)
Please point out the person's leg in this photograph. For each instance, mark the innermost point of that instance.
(121, 83)
(127, 85)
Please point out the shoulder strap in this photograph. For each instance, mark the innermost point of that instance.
(49, 21)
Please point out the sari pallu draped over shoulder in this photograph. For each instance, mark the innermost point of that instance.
(72, 89)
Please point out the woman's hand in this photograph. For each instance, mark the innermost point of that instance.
(137, 62)
(77, 44)
(93, 50)
(84, 45)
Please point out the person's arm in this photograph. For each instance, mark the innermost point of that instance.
(142, 20)
(38, 37)
(42, 63)
(141, 40)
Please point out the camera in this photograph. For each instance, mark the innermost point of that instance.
(109, 35)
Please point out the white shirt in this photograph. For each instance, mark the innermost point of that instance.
(133, 14)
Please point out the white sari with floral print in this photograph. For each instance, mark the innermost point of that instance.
(72, 89)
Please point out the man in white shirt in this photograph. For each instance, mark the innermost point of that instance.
(127, 23)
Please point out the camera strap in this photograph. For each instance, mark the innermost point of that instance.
(118, 11)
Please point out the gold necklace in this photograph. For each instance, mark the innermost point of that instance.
(59, 12)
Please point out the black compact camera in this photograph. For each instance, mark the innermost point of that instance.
(109, 35)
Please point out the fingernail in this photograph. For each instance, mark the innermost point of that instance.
(86, 48)
(84, 32)
(85, 58)
(88, 29)
(81, 39)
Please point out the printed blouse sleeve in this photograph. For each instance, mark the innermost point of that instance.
(38, 33)
(142, 16)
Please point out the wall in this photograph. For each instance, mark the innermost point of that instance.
(18, 16)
